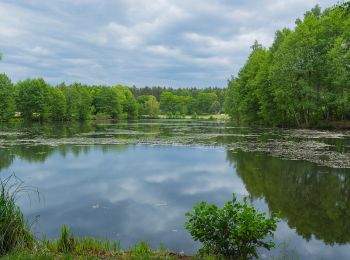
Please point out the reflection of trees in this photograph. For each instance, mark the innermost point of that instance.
(37, 153)
(314, 200)
(6, 159)
(40, 153)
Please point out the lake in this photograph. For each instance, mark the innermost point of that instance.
(133, 181)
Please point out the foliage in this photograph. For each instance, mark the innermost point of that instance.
(232, 232)
(35, 99)
(215, 107)
(106, 101)
(14, 231)
(192, 92)
(32, 100)
(58, 105)
(148, 105)
(128, 101)
(205, 101)
(303, 78)
(7, 104)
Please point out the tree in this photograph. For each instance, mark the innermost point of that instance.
(78, 100)
(302, 79)
(168, 102)
(205, 101)
(71, 94)
(106, 101)
(152, 107)
(58, 105)
(232, 232)
(244, 90)
(215, 107)
(7, 104)
(84, 102)
(148, 105)
(33, 99)
(127, 100)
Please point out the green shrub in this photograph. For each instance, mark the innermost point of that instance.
(232, 232)
(14, 232)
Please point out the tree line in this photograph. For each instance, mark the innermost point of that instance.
(303, 79)
(35, 99)
(185, 101)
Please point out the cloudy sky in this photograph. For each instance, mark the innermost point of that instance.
(178, 43)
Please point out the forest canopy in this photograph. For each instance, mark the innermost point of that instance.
(302, 79)
(37, 100)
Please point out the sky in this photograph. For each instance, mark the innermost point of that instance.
(173, 43)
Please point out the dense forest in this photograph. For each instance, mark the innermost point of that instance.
(303, 79)
(35, 99)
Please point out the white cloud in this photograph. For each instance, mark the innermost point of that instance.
(161, 42)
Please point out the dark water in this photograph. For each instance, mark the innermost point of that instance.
(135, 181)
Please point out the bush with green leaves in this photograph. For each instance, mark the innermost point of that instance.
(235, 231)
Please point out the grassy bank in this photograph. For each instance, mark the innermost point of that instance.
(90, 248)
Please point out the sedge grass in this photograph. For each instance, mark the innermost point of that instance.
(14, 231)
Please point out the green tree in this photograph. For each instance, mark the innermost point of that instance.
(7, 101)
(168, 102)
(215, 107)
(58, 105)
(302, 79)
(204, 102)
(71, 94)
(78, 101)
(148, 105)
(106, 101)
(141, 100)
(152, 107)
(33, 99)
(128, 101)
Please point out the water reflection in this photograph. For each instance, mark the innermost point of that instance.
(127, 193)
(134, 192)
(315, 201)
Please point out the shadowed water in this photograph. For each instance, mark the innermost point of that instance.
(134, 181)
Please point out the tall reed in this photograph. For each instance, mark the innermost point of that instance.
(14, 231)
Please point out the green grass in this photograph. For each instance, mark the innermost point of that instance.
(67, 246)
(14, 232)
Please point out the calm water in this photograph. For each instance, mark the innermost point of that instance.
(135, 181)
